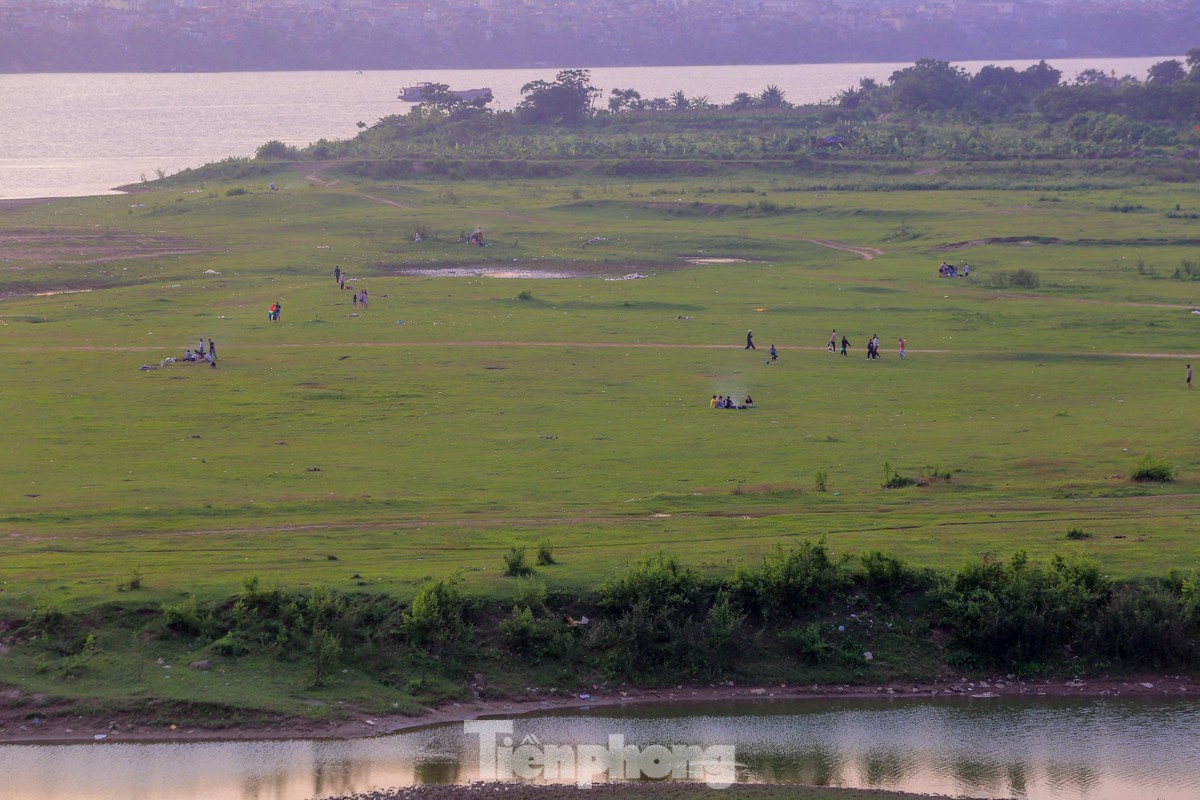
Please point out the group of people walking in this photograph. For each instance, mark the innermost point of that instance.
(358, 299)
(872, 345)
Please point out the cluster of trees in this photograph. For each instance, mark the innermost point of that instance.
(928, 109)
(1170, 94)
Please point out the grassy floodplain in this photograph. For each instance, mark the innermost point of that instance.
(458, 416)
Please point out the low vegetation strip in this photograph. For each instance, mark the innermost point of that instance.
(802, 615)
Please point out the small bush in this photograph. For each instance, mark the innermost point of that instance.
(1075, 534)
(660, 580)
(236, 190)
(808, 644)
(893, 479)
(887, 577)
(788, 582)
(437, 616)
(545, 554)
(1149, 468)
(722, 632)
(525, 295)
(327, 654)
(515, 563)
(1021, 278)
(229, 645)
(188, 616)
(821, 481)
(526, 634)
(134, 582)
(531, 593)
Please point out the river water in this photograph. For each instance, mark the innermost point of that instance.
(83, 134)
(1043, 749)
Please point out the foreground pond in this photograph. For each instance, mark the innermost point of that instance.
(1045, 748)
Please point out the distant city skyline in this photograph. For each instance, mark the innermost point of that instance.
(158, 35)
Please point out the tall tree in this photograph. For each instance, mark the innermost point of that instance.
(1166, 73)
(930, 85)
(566, 101)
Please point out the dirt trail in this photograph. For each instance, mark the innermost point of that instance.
(315, 175)
(867, 253)
(65, 348)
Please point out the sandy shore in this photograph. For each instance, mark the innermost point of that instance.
(23, 720)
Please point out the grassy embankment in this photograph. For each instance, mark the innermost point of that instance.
(366, 456)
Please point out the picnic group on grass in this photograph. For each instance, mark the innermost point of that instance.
(203, 354)
(951, 271)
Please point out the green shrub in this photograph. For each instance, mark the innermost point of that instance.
(524, 633)
(327, 655)
(229, 645)
(277, 151)
(1075, 534)
(1019, 616)
(531, 593)
(545, 554)
(437, 616)
(515, 563)
(887, 577)
(788, 582)
(1149, 468)
(189, 616)
(649, 641)
(236, 190)
(722, 632)
(1143, 627)
(807, 644)
(893, 479)
(659, 580)
(821, 481)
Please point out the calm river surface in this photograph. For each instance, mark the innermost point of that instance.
(1057, 749)
(83, 134)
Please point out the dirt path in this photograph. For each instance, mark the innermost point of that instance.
(384, 200)
(315, 175)
(559, 344)
(867, 253)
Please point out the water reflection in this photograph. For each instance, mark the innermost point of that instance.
(1036, 749)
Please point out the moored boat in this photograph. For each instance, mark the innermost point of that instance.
(416, 93)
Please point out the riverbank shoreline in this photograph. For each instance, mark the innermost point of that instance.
(28, 722)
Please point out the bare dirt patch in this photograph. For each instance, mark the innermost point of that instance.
(866, 253)
(31, 247)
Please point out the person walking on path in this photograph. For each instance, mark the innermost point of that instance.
(900, 342)
(833, 341)
(774, 355)
(750, 341)
(1189, 376)
(845, 344)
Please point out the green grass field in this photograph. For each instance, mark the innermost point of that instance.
(362, 454)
